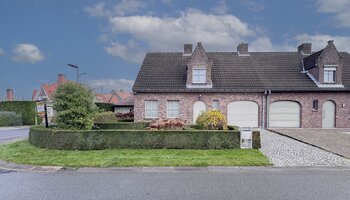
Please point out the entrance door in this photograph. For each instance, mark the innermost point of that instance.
(328, 114)
(198, 108)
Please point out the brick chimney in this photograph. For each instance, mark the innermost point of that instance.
(9, 95)
(305, 48)
(242, 49)
(187, 49)
(61, 79)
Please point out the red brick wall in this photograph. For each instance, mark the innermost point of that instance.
(309, 117)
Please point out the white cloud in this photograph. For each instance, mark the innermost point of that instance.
(340, 8)
(131, 51)
(27, 53)
(221, 8)
(110, 84)
(253, 5)
(320, 41)
(124, 7)
(217, 32)
(98, 10)
(2, 52)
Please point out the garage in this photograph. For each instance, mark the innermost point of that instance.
(284, 114)
(243, 114)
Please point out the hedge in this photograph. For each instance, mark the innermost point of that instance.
(10, 119)
(105, 106)
(122, 125)
(26, 108)
(134, 139)
(256, 140)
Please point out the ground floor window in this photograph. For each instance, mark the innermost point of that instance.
(173, 109)
(151, 109)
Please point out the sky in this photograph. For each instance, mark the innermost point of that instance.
(108, 39)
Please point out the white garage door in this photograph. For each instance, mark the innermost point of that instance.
(198, 108)
(243, 114)
(284, 114)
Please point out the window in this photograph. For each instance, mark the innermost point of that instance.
(315, 105)
(216, 105)
(173, 109)
(151, 109)
(329, 75)
(199, 76)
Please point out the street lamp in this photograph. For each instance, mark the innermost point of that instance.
(77, 67)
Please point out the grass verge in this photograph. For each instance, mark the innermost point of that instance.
(23, 153)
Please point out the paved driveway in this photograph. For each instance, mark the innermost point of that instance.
(333, 140)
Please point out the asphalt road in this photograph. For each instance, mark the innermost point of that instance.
(238, 183)
(9, 134)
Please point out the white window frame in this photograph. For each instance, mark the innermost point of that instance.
(171, 110)
(218, 104)
(329, 74)
(151, 112)
(199, 78)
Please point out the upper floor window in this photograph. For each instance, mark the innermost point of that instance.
(199, 76)
(151, 109)
(216, 105)
(173, 109)
(329, 74)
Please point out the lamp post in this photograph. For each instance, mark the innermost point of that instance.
(77, 68)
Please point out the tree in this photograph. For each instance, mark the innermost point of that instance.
(74, 105)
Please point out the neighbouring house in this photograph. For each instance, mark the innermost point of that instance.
(46, 91)
(257, 89)
(122, 101)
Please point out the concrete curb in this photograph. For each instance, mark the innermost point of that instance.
(4, 165)
(299, 140)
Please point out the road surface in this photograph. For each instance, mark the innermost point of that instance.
(10, 134)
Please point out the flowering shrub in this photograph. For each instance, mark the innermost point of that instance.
(167, 124)
(212, 120)
(126, 116)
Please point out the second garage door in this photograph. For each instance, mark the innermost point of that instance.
(284, 114)
(243, 114)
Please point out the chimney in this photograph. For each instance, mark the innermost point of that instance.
(9, 95)
(330, 41)
(305, 48)
(187, 49)
(242, 49)
(60, 79)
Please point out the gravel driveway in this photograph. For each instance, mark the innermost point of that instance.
(284, 152)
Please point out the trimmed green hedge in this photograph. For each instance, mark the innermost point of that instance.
(122, 125)
(256, 140)
(26, 108)
(135, 139)
(105, 106)
(10, 119)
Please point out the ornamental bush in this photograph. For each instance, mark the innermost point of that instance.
(212, 120)
(105, 117)
(25, 108)
(74, 105)
(10, 119)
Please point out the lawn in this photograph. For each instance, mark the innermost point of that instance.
(23, 153)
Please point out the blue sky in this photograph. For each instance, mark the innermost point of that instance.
(108, 38)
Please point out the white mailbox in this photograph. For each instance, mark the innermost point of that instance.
(246, 137)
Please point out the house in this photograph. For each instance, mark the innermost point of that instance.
(257, 89)
(123, 101)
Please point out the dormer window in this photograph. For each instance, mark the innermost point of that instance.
(329, 74)
(199, 75)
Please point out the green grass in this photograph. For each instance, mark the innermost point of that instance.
(23, 153)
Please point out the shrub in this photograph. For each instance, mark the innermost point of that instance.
(25, 108)
(212, 120)
(105, 107)
(10, 119)
(256, 140)
(167, 124)
(122, 125)
(74, 105)
(105, 117)
(135, 139)
(126, 117)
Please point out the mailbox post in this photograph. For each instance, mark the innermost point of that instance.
(246, 137)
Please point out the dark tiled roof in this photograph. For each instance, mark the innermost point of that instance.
(277, 71)
(311, 60)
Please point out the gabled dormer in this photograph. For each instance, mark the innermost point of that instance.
(325, 67)
(199, 67)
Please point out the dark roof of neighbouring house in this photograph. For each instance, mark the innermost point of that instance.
(277, 71)
(311, 60)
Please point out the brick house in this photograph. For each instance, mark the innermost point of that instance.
(258, 89)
